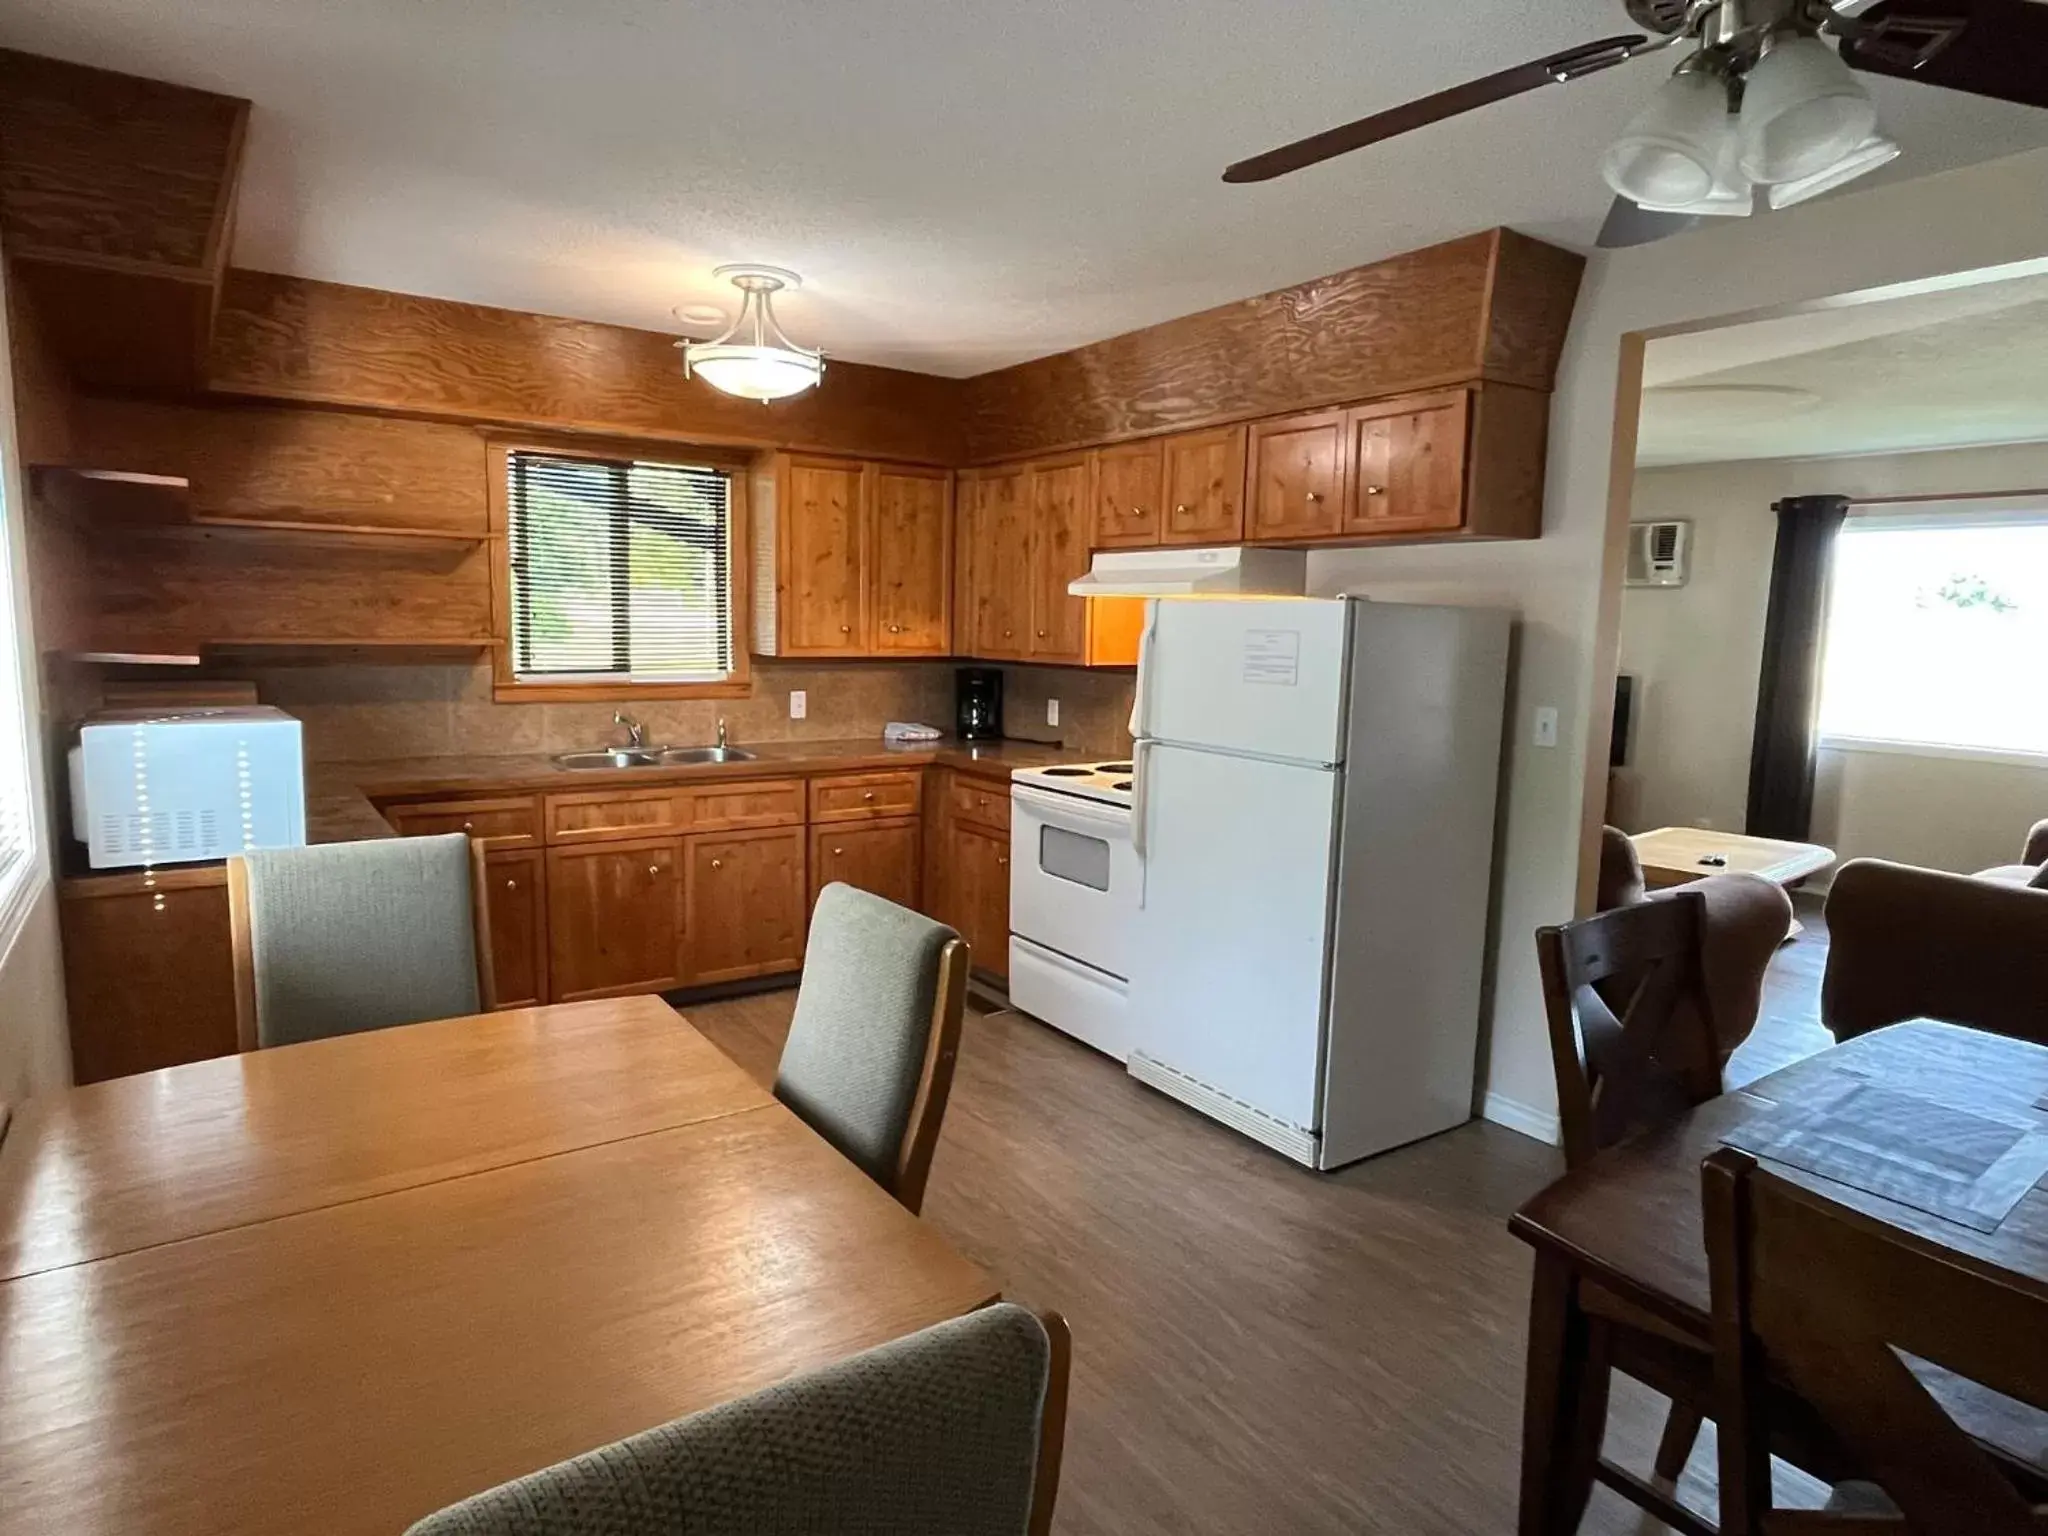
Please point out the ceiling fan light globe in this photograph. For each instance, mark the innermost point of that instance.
(1666, 157)
(1873, 152)
(1803, 111)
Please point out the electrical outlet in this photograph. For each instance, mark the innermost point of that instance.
(1546, 726)
(1052, 711)
(799, 703)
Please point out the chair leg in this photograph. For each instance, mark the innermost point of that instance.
(1674, 1448)
(1564, 1407)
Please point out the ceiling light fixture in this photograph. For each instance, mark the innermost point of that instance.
(1803, 111)
(753, 358)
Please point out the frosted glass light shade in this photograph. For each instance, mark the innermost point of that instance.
(1667, 156)
(1803, 110)
(756, 373)
(1866, 157)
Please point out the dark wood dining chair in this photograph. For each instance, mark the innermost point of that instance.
(1816, 1300)
(1632, 1043)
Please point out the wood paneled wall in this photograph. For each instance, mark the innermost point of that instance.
(286, 338)
(1492, 305)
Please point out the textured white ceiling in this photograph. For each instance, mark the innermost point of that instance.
(962, 183)
(1956, 369)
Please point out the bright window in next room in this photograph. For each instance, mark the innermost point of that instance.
(621, 570)
(1937, 633)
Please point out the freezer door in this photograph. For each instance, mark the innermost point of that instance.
(1228, 970)
(1262, 676)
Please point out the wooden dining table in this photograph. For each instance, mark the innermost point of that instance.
(1622, 1236)
(333, 1287)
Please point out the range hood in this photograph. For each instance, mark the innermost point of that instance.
(1227, 572)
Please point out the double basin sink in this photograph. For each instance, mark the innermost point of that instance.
(652, 757)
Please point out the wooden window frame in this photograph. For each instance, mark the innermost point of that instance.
(506, 685)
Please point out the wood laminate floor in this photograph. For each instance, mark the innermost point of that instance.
(1256, 1348)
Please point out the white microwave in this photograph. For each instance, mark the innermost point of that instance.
(182, 785)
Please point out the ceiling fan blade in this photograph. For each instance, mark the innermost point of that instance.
(1628, 224)
(1556, 69)
(1996, 48)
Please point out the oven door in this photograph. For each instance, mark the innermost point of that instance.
(1073, 877)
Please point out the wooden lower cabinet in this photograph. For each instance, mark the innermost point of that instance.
(743, 905)
(148, 973)
(980, 896)
(615, 918)
(516, 892)
(879, 856)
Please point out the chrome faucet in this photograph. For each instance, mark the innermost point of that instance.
(636, 733)
(721, 733)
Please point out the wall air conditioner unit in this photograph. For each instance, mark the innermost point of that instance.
(1658, 553)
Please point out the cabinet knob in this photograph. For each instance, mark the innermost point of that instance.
(1181, 508)
(1375, 490)
(654, 869)
(837, 852)
(1007, 633)
(868, 794)
(511, 885)
(1041, 634)
(895, 629)
(1003, 860)
(469, 826)
(846, 629)
(1315, 495)
(718, 863)
(1139, 512)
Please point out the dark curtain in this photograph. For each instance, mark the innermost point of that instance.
(1787, 696)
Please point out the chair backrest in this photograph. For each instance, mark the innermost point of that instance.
(1815, 1299)
(342, 937)
(1907, 943)
(955, 1431)
(869, 1060)
(1650, 1054)
(2035, 850)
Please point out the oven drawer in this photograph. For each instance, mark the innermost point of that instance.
(980, 803)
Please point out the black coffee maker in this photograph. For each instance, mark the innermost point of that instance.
(978, 703)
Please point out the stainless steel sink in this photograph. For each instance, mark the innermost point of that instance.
(707, 755)
(611, 757)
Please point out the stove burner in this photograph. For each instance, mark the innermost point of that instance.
(1113, 768)
(1121, 784)
(1066, 773)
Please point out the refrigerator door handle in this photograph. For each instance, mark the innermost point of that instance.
(1138, 750)
(1140, 715)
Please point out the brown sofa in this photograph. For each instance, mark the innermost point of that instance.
(1906, 943)
(1746, 919)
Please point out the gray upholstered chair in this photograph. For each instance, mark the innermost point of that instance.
(869, 1060)
(343, 937)
(955, 1431)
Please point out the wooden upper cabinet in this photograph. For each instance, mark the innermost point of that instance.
(820, 577)
(1408, 462)
(1128, 480)
(1297, 481)
(1059, 554)
(911, 543)
(1204, 487)
(1001, 552)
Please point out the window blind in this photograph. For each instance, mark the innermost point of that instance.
(620, 568)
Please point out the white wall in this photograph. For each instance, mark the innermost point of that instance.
(1979, 217)
(35, 1050)
(1696, 651)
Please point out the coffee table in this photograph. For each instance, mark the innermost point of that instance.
(1674, 855)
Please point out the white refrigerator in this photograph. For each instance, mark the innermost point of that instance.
(1314, 819)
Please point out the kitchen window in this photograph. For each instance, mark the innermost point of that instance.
(1937, 634)
(620, 576)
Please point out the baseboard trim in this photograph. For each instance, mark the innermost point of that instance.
(1539, 1124)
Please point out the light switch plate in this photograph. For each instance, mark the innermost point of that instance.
(799, 703)
(1546, 726)
(1052, 711)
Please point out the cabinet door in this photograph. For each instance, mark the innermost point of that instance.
(819, 577)
(1408, 465)
(515, 885)
(1297, 478)
(744, 905)
(981, 899)
(148, 973)
(877, 856)
(1002, 563)
(1059, 553)
(1128, 479)
(1205, 487)
(614, 918)
(912, 562)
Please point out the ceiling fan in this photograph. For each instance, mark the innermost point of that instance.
(1758, 104)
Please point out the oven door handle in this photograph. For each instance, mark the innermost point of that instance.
(1059, 810)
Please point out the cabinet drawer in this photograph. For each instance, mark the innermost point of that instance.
(610, 813)
(505, 822)
(981, 803)
(752, 803)
(859, 796)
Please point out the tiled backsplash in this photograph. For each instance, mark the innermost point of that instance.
(354, 713)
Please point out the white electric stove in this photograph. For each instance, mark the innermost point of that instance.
(1074, 899)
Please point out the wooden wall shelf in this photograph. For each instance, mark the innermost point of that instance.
(130, 501)
(296, 531)
(288, 648)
